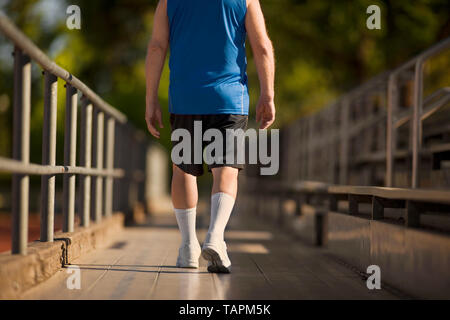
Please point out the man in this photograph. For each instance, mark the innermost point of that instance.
(208, 83)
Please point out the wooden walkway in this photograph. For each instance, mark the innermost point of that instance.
(267, 264)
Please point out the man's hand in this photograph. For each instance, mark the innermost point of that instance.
(153, 116)
(264, 60)
(265, 112)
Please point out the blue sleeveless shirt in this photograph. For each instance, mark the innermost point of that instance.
(207, 57)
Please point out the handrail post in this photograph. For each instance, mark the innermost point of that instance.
(391, 136)
(85, 157)
(344, 141)
(329, 144)
(311, 146)
(70, 141)
(21, 151)
(110, 128)
(48, 157)
(117, 190)
(417, 123)
(132, 192)
(304, 146)
(99, 134)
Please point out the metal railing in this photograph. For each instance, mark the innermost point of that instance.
(417, 64)
(335, 144)
(99, 125)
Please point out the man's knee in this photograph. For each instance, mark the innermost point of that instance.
(225, 173)
(180, 174)
(175, 169)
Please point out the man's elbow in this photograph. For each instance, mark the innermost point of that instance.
(157, 47)
(264, 48)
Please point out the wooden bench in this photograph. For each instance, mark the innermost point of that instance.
(304, 192)
(309, 220)
(309, 187)
(415, 201)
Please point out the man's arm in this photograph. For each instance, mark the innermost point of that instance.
(156, 55)
(264, 60)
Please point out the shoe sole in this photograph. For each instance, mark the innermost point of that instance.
(216, 263)
(187, 266)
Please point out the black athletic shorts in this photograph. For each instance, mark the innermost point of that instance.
(222, 122)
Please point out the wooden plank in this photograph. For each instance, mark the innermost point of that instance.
(309, 186)
(297, 271)
(245, 282)
(305, 273)
(133, 277)
(56, 286)
(179, 283)
(424, 195)
(266, 264)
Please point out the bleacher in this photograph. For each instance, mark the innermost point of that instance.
(368, 177)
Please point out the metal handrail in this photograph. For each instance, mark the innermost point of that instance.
(27, 46)
(429, 107)
(341, 134)
(14, 166)
(416, 63)
(99, 123)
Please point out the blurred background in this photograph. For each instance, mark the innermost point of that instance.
(322, 48)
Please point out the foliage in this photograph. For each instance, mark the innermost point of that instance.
(323, 48)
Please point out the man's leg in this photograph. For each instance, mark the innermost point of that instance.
(222, 201)
(225, 180)
(184, 199)
(184, 189)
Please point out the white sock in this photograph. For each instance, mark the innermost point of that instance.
(221, 207)
(186, 224)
